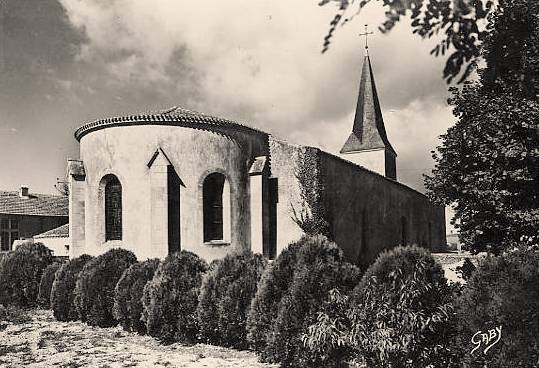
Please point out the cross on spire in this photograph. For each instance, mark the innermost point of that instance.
(366, 34)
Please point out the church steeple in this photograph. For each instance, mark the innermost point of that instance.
(368, 144)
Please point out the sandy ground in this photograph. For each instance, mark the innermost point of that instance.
(44, 342)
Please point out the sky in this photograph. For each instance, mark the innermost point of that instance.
(67, 62)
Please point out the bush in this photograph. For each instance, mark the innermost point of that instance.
(503, 291)
(94, 289)
(128, 295)
(63, 287)
(291, 294)
(20, 274)
(45, 285)
(399, 315)
(170, 299)
(273, 284)
(225, 296)
(321, 268)
(466, 270)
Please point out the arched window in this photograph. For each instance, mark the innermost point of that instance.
(215, 207)
(113, 208)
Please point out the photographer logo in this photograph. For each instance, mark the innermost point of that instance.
(486, 339)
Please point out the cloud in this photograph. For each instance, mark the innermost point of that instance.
(253, 61)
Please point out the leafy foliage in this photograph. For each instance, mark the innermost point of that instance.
(273, 284)
(20, 274)
(398, 316)
(312, 216)
(45, 285)
(458, 21)
(488, 164)
(292, 298)
(467, 269)
(127, 307)
(94, 289)
(502, 292)
(62, 292)
(170, 299)
(225, 297)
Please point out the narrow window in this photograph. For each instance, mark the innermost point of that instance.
(173, 183)
(429, 239)
(113, 208)
(404, 231)
(364, 233)
(212, 193)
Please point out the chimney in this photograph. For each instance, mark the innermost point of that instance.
(23, 191)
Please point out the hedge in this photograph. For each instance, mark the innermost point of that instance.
(321, 268)
(128, 295)
(170, 299)
(403, 313)
(45, 285)
(399, 315)
(273, 284)
(94, 289)
(63, 287)
(293, 294)
(225, 297)
(20, 274)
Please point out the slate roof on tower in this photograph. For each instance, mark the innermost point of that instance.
(368, 132)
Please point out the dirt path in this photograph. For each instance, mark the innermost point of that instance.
(44, 342)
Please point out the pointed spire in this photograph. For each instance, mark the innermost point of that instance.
(369, 132)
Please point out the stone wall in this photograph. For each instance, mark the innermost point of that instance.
(126, 152)
(367, 211)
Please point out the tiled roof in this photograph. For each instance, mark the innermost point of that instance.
(35, 204)
(59, 232)
(176, 116)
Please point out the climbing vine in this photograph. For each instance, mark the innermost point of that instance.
(311, 216)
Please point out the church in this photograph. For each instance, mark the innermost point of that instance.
(177, 179)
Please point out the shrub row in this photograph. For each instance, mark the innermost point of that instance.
(308, 308)
(403, 313)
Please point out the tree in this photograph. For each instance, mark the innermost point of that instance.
(458, 20)
(488, 163)
(502, 293)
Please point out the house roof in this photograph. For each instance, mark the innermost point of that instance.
(35, 204)
(59, 232)
(174, 116)
(369, 132)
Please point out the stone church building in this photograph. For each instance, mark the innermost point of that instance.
(177, 179)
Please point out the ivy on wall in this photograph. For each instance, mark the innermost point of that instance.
(311, 216)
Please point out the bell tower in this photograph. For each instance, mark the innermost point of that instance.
(368, 145)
